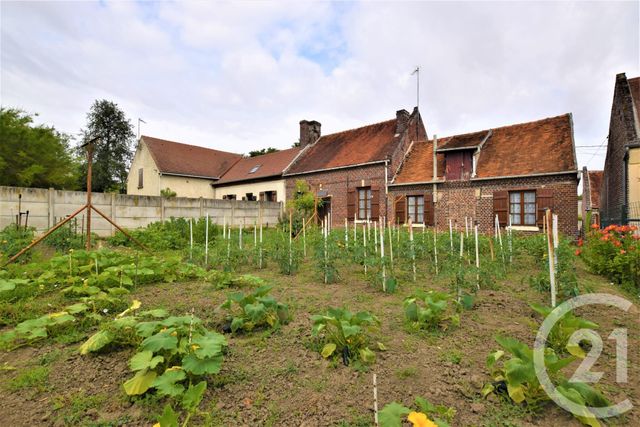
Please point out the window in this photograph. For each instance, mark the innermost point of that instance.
(255, 169)
(250, 197)
(140, 178)
(229, 197)
(522, 207)
(364, 203)
(415, 209)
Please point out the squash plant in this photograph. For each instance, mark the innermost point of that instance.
(516, 380)
(344, 334)
(172, 350)
(558, 338)
(430, 310)
(423, 413)
(255, 310)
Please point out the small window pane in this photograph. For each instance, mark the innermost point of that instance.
(530, 219)
(529, 197)
(514, 197)
(515, 219)
(515, 208)
(412, 203)
(530, 208)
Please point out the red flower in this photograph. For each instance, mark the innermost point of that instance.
(594, 226)
(580, 242)
(617, 243)
(622, 252)
(578, 252)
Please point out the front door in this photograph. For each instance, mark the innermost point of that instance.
(324, 209)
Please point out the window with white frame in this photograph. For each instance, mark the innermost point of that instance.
(522, 207)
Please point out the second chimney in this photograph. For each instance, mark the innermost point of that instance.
(402, 119)
(309, 132)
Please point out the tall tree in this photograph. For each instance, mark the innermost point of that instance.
(34, 156)
(112, 151)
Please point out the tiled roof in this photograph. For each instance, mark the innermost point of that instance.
(184, 159)
(362, 145)
(542, 146)
(266, 165)
(634, 86)
(468, 140)
(595, 183)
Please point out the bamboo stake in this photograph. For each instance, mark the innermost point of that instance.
(304, 238)
(290, 239)
(206, 240)
(451, 234)
(493, 257)
(413, 252)
(475, 231)
(384, 270)
(466, 227)
(364, 246)
(190, 239)
(375, 235)
(551, 255)
(500, 241)
(346, 233)
(375, 401)
(435, 247)
(510, 239)
(390, 244)
(461, 244)
(260, 255)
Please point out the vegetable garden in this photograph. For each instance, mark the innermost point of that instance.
(304, 325)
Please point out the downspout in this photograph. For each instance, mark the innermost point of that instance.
(386, 188)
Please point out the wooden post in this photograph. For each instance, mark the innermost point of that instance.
(500, 241)
(384, 271)
(89, 173)
(451, 234)
(375, 401)
(364, 246)
(346, 233)
(413, 252)
(390, 244)
(435, 247)
(551, 256)
(206, 240)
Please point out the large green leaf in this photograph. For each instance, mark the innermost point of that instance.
(349, 330)
(77, 308)
(255, 311)
(236, 323)
(96, 342)
(367, 356)
(193, 396)
(211, 365)
(168, 383)
(392, 415)
(140, 383)
(209, 345)
(169, 418)
(328, 349)
(160, 341)
(144, 360)
(518, 371)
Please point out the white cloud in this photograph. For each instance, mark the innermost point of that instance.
(239, 76)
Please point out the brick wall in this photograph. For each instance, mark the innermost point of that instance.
(474, 199)
(336, 183)
(621, 132)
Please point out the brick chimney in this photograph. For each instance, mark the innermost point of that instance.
(309, 132)
(402, 119)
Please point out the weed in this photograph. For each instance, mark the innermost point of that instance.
(407, 372)
(36, 377)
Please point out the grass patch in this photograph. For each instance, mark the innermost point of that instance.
(408, 372)
(36, 377)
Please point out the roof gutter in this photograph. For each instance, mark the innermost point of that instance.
(441, 181)
(189, 176)
(377, 162)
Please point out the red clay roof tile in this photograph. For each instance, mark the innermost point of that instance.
(362, 145)
(268, 165)
(184, 159)
(542, 146)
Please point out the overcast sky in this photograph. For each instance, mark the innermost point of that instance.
(240, 76)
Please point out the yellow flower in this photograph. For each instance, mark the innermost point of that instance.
(418, 419)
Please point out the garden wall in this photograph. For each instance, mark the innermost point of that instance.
(48, 206)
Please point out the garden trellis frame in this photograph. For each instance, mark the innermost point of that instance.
(88, 206)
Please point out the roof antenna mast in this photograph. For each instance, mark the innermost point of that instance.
(417, 72)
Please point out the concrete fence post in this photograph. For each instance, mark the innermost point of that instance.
(162, 209)
(201, 207)
(113, 213)
(51, 202)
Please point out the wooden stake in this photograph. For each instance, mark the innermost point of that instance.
(290, 239)
(206, 240)
(413, 252)
(364, 246)
(375, 235)
(551, 256)
(260, 255)
(190, 239)
(451, 234)
(475, 231)
(375, 401)
(384, 271)
(390, 245)
(435, 247)
(346, 233)
(304, 238)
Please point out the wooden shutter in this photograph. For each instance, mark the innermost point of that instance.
(401, 210)
(501, 207)
(375, 203)
(429, 214)
(351, 203)
(544, 201)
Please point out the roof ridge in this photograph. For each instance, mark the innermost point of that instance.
(187, 145)
(358, 128)
(506, 126)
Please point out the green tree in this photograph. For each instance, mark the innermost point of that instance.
(34, 156)
(112, 152)
(262, 151)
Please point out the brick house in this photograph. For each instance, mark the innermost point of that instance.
(514, 172)
(350, 170)
(620, 194)
(591, 185)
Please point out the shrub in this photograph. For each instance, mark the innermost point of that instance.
(429, 310)
(255, 310)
